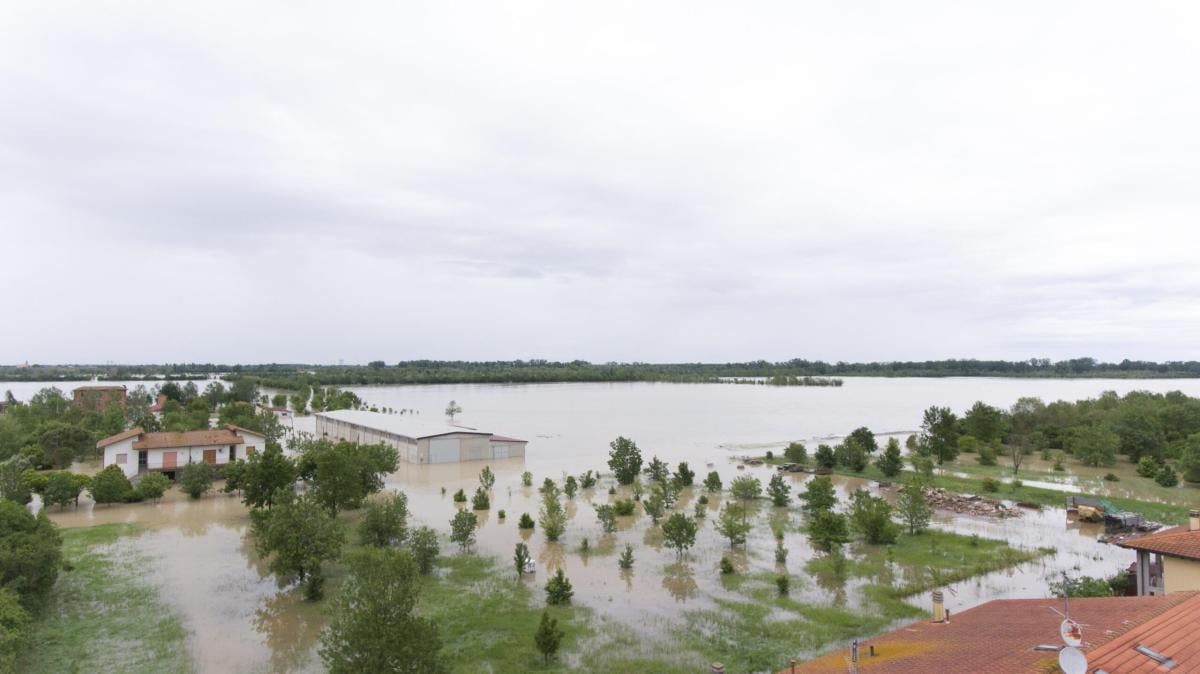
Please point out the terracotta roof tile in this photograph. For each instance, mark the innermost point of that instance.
(189, 439)
(1176, 541)
(239, 429)
(1173, 634)
(131, 433)
(995, 638)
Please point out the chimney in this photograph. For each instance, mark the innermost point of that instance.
(1194, 520)
(939, 607)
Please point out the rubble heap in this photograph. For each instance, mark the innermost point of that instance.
(969, 504)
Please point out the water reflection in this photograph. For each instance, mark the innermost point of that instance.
(680, 581)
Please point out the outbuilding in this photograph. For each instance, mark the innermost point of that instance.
(416, 442)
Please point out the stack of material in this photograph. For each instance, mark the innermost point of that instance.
(969, 505)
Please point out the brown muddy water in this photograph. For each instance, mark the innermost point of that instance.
(240, 621)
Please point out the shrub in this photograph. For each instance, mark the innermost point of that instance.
(480, 500)
(153, 486)
(526, 522)
(684, 476)
(871, 516)
(460, 496)
(712, 482)
(726, 566)
(558, 590)
(781, 553)
(827, 530)
(385, 524)
(1015, 484)
(570, 486)
(1111, 477)
(986, 456)
(110, 485)
(782, 584)
(779, 491)
(424, 545)
(196, 478)
(990, 485)
(796, 453)
(1059, 466)
(500, 514)
(625, 561)
(825, 457)
(462, 529)
(1148, 466)
(1167, 477)
(587, 480)
(527, 479)
(770, 455)
(624, 507)
(607, 516)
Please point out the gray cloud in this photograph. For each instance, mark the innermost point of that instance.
(615, 181)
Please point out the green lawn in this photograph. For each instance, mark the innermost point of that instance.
(102, 616)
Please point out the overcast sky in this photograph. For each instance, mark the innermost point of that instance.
(308, 182)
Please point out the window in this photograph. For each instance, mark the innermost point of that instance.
(250, 450)
(122, 458)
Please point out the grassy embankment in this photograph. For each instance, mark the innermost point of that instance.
(1166, 512)
(102, 616)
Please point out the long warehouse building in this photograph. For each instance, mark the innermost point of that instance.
(417, 443)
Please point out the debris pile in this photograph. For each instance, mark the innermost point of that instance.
(969, 505)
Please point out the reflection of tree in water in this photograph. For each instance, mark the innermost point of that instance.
(253, 561)
(680, 581)
(291, 628)
(552, 557)
(627, 576)
(606, 544)
(653, 538)
(525, 534)
(834, 583)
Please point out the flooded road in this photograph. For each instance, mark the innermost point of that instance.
(239, 621)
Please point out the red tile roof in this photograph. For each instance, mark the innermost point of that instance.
(1172, 634)
(131, 433)
(189, 439)
(239, 429)
(1176, 542)
(997, 637)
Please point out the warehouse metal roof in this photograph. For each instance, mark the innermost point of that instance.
(406, 425)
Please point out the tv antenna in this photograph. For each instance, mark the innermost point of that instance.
(1070, 658)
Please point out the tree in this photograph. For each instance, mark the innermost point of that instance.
(1094, 445)
(625, 561)
(480, 500)
(655, 506)
(548, 636)
(424, 544)
(462, 529)
(13, 485)
(234, 472)
(732, 524)
(385, 524)
(30, 552)
(279, 400)
(658, 471)
(825, 457)
(62, 443)
(487, 479)
(373, 627)
(552, 518)
(827, 530)
(913, 508)
(871, 516)
(196, 478)
(526, 522)
(712, 482)
(891, 462)
(939, 433)
(818, 496)
(558, 589)
(984, 422)
(607, 516)
(521, 558)
(852, 455)
(679, 532)
(345, 473)
(264, 475)
(452, 409)
(865, 439)
(152, 486)
(1167, 477)
(570, 486)
(796, 453)
(298, 534)
(14, 630)
(684, 476)
(779, 491)
(110, 485)
(624, 460)
(1189, 458)
(1139, 435)
(60, 489)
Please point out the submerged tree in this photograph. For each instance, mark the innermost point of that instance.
(624, 459)
(462, 529)
(779, 491)
(373, 626)
(298, 534)
(732, 524)
(385, 523)
(679, 532)
(912, 506)
(452, 409)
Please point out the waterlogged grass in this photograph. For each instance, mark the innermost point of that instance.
(487, 618)
(925, 561)
(102, 616)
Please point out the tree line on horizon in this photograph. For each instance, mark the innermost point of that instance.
(295, 376)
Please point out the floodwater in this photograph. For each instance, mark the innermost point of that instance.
(239, 621)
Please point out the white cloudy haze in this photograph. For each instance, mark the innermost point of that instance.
(307, 182)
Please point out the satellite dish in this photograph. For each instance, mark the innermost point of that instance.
(1072, 660)
(1072, 633)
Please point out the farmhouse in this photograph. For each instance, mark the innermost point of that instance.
(417, 443)
(1168, 560)
(137, 451)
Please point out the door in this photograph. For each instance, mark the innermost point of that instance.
(142, 460)
(210, 457)
(168, 460)
(500, 452)
(443, 450)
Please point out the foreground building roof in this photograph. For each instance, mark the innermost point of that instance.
(226, 435)
(999, 637)
(1171, 635)
(1176, 542)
